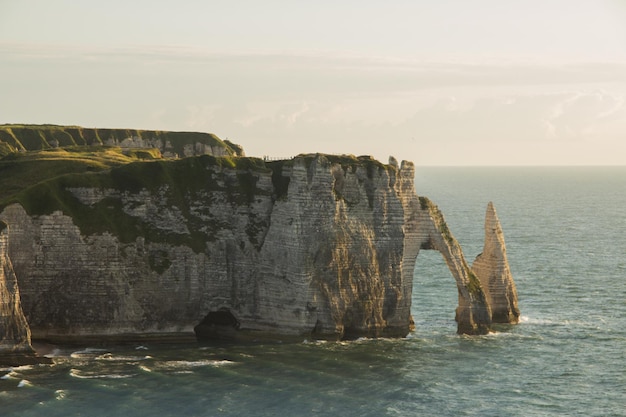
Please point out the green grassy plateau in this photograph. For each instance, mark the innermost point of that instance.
(30, 154)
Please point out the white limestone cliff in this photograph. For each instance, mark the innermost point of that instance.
(15, 344)
(14, 331)
(317, 246)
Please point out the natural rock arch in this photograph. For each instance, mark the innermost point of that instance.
(486, 291)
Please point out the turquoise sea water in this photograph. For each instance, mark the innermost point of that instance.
(566, 243)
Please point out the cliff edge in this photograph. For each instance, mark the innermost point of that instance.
(318, 246)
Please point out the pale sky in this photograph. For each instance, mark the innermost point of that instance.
(438, 82)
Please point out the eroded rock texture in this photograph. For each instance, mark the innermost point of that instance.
(318, 246)
(492, 268)
(14, 330)
(473, 314)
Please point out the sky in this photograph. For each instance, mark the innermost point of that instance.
(446, 82)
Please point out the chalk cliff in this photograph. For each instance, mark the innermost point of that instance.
(15, 344)
(318, 246)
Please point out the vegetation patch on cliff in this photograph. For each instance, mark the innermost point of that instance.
(439, 221)
(38, 137)
(20, 170)
(474, 286)
(162, 184)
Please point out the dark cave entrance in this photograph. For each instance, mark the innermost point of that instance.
(220, 324)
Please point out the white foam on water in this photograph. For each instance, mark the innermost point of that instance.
(56, 352)
(314, 342)
(114, 358)
(497, 335)
(14, 372)
(24, 383)
(552, 322)
(145, 368)
(76, 373)
(22, 368)
(195, 364)
(187, 366)
(87, 353)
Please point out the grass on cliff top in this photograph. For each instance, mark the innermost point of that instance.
(37, 137)
(177, 181)
(41, 182)
(20, 170)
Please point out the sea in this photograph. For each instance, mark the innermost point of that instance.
(565, 231)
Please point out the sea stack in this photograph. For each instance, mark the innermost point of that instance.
(15, 347)
(492, 268)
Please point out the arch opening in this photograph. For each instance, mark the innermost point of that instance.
(435, 294)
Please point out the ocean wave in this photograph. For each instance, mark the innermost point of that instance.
(22, 368)
(145, 368)
(553, 322)
(10, 375)
(76, 373)
(199, 363)
(314, 342)
(87, 353)
(14, 372)
(121, 358)
(185, 367)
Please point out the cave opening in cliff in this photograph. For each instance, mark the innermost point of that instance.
(435, 294)
(220, 324)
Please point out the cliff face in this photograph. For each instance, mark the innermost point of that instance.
(318, 246)
(14, 330)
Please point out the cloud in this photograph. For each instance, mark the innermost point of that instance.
(316, 71)
(521, 117)
(317, 101)
(578, 115)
